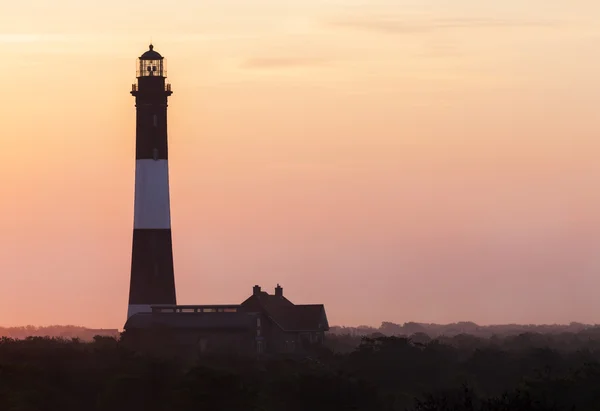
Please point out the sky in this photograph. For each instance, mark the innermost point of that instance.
(396, 160)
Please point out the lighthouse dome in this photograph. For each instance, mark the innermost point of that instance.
(151, 54)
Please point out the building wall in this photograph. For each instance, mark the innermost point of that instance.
(283, 342)
(295, 342)
(191, 343)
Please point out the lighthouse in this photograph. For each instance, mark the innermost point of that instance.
(152, 276)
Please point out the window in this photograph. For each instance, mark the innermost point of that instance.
(258, 322)
(290, 346)
(155, 120)
(259, 347)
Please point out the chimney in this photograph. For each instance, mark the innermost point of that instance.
(278, 291)
(256, 290)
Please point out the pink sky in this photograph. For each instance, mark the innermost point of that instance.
(398, 160)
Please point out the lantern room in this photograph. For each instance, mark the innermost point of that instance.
(151, 76)
(151, 64)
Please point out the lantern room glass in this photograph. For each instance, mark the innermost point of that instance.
(151, 68)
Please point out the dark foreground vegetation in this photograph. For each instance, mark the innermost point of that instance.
(463, 373)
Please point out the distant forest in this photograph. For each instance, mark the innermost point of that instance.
(57, 331)
(386, 329)
(465, 327)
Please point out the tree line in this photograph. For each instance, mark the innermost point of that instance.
(379, 373)
(463, 327)
(60, 331)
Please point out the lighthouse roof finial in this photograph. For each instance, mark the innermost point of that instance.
(151, 54)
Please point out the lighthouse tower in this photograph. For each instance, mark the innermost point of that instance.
(152, 277)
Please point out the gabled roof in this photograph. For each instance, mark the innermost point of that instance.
(265, 298)
(287, 315)
(300, 317)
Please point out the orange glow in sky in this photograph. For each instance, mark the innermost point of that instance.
(396, 160)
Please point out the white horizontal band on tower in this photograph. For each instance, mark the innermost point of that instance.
(151, 207)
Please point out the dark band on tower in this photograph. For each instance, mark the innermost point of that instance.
(152, 274)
